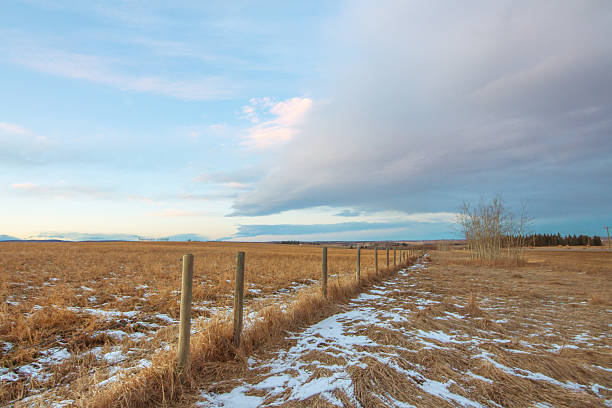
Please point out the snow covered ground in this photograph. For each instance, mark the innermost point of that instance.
(126, 346)
(389, 347)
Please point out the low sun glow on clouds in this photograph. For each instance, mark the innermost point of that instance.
(286, 115)
(359, 121)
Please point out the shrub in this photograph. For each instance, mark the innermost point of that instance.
(493, 233)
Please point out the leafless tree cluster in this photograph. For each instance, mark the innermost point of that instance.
(493, 233)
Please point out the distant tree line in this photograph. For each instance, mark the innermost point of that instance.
(541, 240)
(290, 242)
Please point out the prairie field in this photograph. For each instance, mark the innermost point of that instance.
(77, 319)
(446, 333)
(73, 314)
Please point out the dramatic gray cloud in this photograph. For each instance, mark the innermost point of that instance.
(436, 102)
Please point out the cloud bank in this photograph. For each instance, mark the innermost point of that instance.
(436, 102)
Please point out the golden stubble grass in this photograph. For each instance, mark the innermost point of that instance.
(161, 384)
(538, 321)
(48, 290)
(566, 295)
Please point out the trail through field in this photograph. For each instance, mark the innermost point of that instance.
(399, 344)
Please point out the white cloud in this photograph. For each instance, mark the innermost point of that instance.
(235, 184)
(447, 217)
(173, 212)
(239, 179)
(282, 127)
(250, 114)
(60, 191)
(24, 186)
(266, 136)
(292, 111)
(108, 71)
(19, 145)
(11, 128)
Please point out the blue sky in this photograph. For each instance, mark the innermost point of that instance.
(301, 120)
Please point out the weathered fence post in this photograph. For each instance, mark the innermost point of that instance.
(387, 258)
(324, 270)
(394, 256)
(376, 260)
(183, 353)
(358, 266)
(238, 298)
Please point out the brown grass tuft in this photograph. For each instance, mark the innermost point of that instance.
(472, 307)
(597, 299)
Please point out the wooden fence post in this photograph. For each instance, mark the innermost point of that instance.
(376, 260)
(394, 256)
(183, 353)
(238, 298)
(324, 269)
(387, 258)
(358, 266)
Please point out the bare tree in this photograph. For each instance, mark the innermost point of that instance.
(493, 233)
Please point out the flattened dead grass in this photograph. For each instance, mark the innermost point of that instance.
(50, 292)
(507, 336)
(160, 384)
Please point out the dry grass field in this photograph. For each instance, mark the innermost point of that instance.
(79, 318)
(446, 334)
(73, 314)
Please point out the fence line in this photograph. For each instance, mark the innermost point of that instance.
(183, 353)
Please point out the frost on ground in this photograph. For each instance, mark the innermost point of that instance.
(402, 345)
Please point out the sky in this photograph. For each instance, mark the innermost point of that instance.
(319, 120)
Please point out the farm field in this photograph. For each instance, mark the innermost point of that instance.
(81, 316)
(73, 315)
(447, 333)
